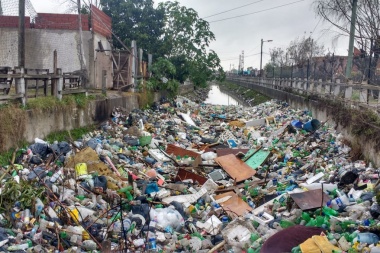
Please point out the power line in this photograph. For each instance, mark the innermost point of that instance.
(316, 26)
(276, 7)
(246, 56)
(324, 33)
(232, 9)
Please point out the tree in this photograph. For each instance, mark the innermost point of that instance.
(136, 20)
(278, 57)
(186, 41)
(72, 5)
(163, 72)
(302, 49)
(338, 13)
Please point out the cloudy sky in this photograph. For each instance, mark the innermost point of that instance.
(279, 20)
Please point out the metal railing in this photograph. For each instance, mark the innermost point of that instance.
(352, 93)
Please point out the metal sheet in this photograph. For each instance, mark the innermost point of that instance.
(256, 159)
(310, 199)
(235, 167)
(234, 206)
(227, 151)
(185, 174)
(173, 149)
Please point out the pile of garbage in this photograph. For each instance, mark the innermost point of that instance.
(188, 177)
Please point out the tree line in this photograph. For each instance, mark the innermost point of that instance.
(176, 36)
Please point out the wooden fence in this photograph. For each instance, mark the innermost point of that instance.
(24, 83)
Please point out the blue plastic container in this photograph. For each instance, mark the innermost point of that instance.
(311, 125)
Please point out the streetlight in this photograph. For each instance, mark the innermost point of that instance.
(261, 56)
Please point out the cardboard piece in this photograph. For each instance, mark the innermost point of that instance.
(234, 206)
(235, 167)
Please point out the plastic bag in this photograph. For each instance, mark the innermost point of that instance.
(167, 217)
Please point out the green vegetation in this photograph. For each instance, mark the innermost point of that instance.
(45, 103)
(247, 94)
(163, 68)
(171, 32)
(73, 134)
(6, 157)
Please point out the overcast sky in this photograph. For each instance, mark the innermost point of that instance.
(277, 20)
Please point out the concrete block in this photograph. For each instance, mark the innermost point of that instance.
(363, 97)
(255, 122)
(348, 93)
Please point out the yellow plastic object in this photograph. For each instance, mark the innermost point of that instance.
(75, 215)
(85, 235)
(323, 244)
(309, 246)
(81, 169)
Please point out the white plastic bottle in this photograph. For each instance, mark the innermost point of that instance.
(23, 246)
(56, 175)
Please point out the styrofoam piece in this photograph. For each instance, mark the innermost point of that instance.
(264, 219)
(315, 178)
(188, 119)
(315, 186)
(158, 155)
(255, 122)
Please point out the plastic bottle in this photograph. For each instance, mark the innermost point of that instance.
(368, 238)
(224, 221)
(34, 231)
(152, 244)
(89, 245)
(286, 223)
(38, 207)
(329, 211)
(23, 246)
(56, 175)
(26, 216)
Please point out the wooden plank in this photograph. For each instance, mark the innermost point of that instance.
(73, 91)
(235, 167)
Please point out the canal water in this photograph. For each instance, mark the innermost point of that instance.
(217, 97)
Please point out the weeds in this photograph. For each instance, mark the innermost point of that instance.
(74, 134)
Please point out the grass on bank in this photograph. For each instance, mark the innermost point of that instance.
(6, 157)
(67, 134)
(44, 103)
(247, 94)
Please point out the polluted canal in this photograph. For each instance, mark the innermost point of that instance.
(218, 97)
(189, 177)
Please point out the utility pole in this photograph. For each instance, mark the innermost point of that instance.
(370, 62)
(261, 55)
(352, 37)
(239, 64)
(242, 62)
(332, 67)
(21, 33)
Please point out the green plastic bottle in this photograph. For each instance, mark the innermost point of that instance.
(329, 211)
(286, 224)
(254, 237)
(306, 216)
(296, 249)
(127, 191)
